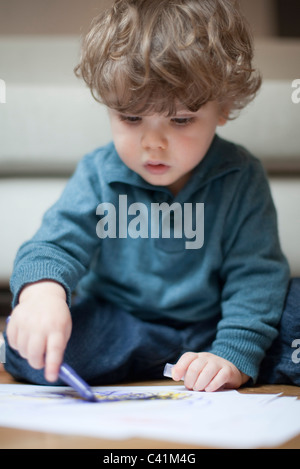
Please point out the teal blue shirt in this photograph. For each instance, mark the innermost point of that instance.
(100, 243)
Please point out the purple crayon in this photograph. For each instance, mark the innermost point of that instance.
(70, 377)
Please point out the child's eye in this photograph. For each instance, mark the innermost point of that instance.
(182, 121)
(130, 119)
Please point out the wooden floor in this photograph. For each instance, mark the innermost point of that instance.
(2, 323)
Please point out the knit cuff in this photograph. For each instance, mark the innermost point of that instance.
(35, 272)
(244, 349)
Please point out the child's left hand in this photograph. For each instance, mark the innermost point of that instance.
(207, 372)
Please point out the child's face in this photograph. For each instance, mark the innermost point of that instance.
(164, 150)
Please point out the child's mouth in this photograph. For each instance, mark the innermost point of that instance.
(156, 168)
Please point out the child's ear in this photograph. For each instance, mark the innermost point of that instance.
(222, 121)
(223, 116)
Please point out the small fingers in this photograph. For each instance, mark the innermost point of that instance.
(181, 367)
(206, 376)
(220, 380)
(54, 356)
(207, 372)
(30, 347)
(21, 343)
(36, 351)
(12, 333)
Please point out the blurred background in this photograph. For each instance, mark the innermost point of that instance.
(49, 119)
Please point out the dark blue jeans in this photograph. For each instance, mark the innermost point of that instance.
(109, 346)
(282, 362)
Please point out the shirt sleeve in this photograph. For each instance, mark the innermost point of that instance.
(62, 248)
(254, 275)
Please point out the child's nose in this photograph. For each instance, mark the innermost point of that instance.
(154, 139)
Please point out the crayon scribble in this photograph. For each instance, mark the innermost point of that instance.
(132, 396)
(102, 397)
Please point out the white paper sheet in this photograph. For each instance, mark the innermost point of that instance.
(171, 413)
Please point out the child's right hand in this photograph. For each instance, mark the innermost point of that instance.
(40, 326)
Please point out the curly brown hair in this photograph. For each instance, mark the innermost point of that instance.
(144, 56)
